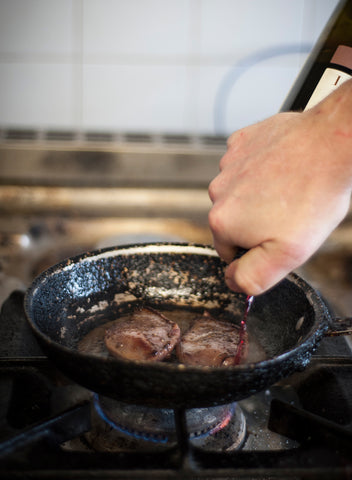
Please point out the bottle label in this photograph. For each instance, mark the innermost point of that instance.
(332, 77)
(329, 81)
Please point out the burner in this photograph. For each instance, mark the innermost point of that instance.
(118, 426)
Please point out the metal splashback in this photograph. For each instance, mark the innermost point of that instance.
(107, 173)
(105, 160)
(64, 192)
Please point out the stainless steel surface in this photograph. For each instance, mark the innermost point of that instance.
(121, 201)
(85, 159)
(32, 244)
(62, 193)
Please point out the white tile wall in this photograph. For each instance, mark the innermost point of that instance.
(29, 28)
(136, 28)
(194, 66)
(230, 27)
(135, 97)
(36, 94)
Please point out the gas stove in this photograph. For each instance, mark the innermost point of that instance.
(108, 194)
(52, 427)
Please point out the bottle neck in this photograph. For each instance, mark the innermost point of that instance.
(328, 52)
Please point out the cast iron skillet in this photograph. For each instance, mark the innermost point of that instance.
(68, 300)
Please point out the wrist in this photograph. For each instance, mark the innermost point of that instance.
(332, 120)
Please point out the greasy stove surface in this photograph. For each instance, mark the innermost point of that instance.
(299, 428)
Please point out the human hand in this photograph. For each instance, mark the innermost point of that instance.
(283, 187)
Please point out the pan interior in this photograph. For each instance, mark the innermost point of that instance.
(70, 300)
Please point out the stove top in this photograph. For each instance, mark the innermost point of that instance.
(299, 428)
(61, 196)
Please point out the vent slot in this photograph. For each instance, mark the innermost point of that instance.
(99, 137)
(90, 136)
(16, 134)
(171, 138)
(138, 137)
(213, 140)
(60, 135)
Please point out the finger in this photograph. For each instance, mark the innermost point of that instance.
(225, 251)
(259, 269)
(222, 240)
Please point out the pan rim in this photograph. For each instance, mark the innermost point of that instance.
(305, 346)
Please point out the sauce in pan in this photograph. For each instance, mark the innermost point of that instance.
(246, 350)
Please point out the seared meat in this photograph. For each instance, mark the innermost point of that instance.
(213, 343)
(146, 335)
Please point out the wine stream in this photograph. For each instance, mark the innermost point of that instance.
(243, 328)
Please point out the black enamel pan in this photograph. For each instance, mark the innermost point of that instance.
(70, 299)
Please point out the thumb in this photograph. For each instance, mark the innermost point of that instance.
(260, 268)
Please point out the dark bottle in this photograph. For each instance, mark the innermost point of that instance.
(328, 65)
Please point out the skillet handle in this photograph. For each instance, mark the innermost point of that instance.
(339, 326)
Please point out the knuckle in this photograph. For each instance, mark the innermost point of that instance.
(234, 137)
(292, 253)
(217, 221)
(214, 220)
(231, 139)
(223, 161)
(212, 190)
